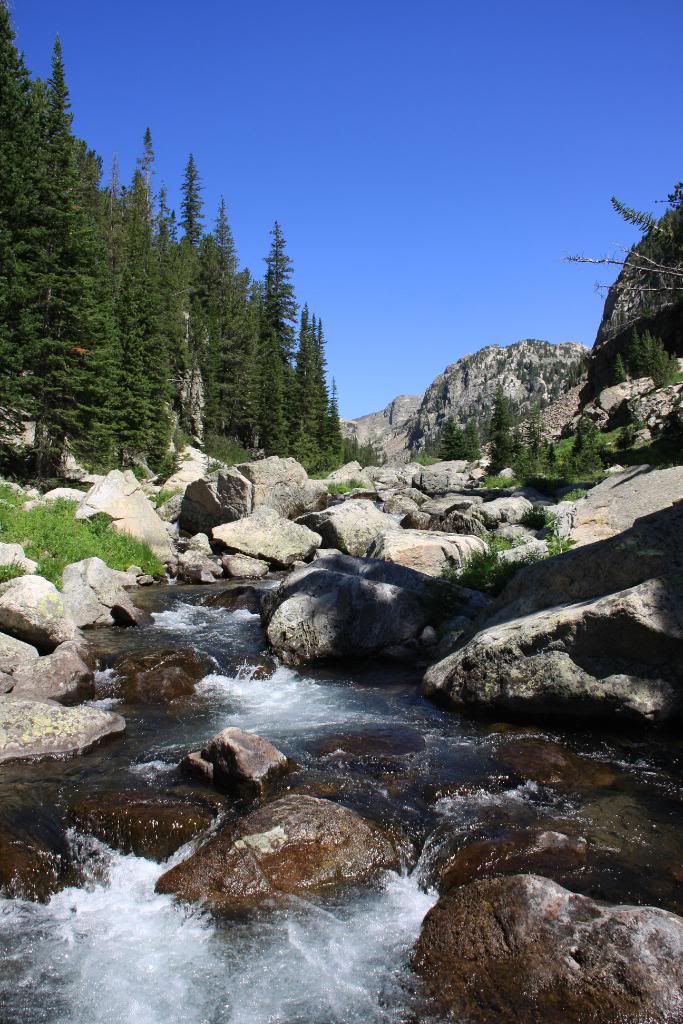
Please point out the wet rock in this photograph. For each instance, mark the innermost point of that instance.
(428, 553)
(523, 948)
(619, 658)
(350, 527)
(295, 846)
(244, 765)
(33, 610)
(155, 677)
(31, 729)
(551, 764)
(194, 765)
(35, 860)
(120, 497)
(238, 597)
(267, 535)
(63, 676)
(244, 567)
(95, 596)
(145, 824)
(394, 742)
(524, 851)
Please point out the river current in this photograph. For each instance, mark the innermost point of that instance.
(114, 952)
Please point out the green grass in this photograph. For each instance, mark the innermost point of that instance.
(225, 451)
(347, 486)
(484, 570)
(499, 482)
(575, 495)
(162, 497)
(10, 572)
(538, 518)
(423, 459)
(53, 538)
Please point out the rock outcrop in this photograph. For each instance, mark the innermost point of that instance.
(491, 950)
(269, 536)
(120, 497)
(614, 505)
(295, 846)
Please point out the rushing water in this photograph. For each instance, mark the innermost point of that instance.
(114, 951)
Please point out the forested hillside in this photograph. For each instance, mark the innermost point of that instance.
(123, 326)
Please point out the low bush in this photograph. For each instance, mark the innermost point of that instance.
(575, 494)
(499, 482)
(10, 572)
(162, 497)
(53, 538)
(539, 518)
(346, 487)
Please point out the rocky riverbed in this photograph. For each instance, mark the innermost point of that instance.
(449, 803)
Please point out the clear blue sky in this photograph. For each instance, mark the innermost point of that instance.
(431, 162)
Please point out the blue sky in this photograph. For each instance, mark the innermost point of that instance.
(431, 162)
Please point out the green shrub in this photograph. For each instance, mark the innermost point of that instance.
(499, 482)
(11, 571)
(346, 487)
(53, 538)
(424, 459)
(225, 451)
(485, 571)
(575, 495)
(558, 545)
(162, 497)
(539, 518)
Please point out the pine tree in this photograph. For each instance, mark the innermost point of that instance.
(280, 306)
(502, 439)
(452, 442)
(619, 370)
(472, 441)
(191, 204)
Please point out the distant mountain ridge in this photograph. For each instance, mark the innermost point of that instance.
(531, 372)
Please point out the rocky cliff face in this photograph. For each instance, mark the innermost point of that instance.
(530, 372)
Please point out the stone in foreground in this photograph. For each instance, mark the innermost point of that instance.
(523, 948)
(33, 610)
(35, 729)
(244, 764)
(296, 846)
(95, 595)
(267, 535)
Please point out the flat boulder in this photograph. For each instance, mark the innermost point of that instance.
(32, 730)
(95, 595)
(350, 527)
(65, 676)
(615, 658)
(614, 505)
(429, 553)
(120, 497)
(294, 847)
(269, 536)
(33, 610)
(441, 478)
(145, 824)
(244, 567)
(244, 765)
(522, 947)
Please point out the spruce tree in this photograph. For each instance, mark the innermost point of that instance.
(191, 204)
(502, 440)
(280, 306)
(619, 370)
(472, 441)
(452, 442)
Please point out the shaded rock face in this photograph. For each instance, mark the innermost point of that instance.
(618, 657)
(33, 729)
(522, 948)
(283, 485)
(145, 824)
(222, 497)
(244, 764)
(267, 535)
(615, 504)
(35, 860)
(158, 676)
(338, 608)
(14, 653)
(33, 610)
(63, 676)
(350, 527)
(119, 496)
(94, 595)
(428, 553)
(295, 846)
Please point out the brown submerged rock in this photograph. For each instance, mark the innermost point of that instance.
(523, 949)
(295, 846)
(374, 743)
(155, 677)
(553, 765)
(35, 861)
(527, 850)
(146, 824)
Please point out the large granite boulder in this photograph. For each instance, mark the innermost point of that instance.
(618, 657)
(523, 948)
(33, 610)
(120, 497)
(283, 485)
(350, 527)
(244, 567)
(267, 535)
(615, 504)
(65, 676)
(342, 607)
(14, 652)
(14, 555)
(31, 729)
(95, 595)
(221, 497)
(441, 478)
(429, 553)
(294, 847)
(193, 464)
(503, 510)
(352, 472)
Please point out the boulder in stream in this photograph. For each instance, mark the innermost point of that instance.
(295, 846)
(95, 595)
(155, 677)
(32, 729)
(269, 536)
(244, 765)
(65, 676)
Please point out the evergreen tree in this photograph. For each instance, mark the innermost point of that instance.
(452, 442)
(280, 306)
(502, 439)
(472, 441)
(191, 204)
(619, 370)
(585, 457)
